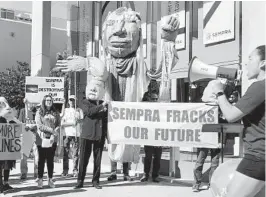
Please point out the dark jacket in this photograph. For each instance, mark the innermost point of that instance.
(95, 120)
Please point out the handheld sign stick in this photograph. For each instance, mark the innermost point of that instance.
(75, 89)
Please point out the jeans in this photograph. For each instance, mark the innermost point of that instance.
(67, 141)
(156, 152)
(46, 155)
(24, 164)
(202, 155)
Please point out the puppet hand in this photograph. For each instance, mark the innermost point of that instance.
(170, 26)
(71, 64)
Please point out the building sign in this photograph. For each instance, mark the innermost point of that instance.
(38, 87)
(10, 141)
(218, 21)
(178, 7)
(164, 124)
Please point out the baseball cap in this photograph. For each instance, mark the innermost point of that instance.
(72, 97)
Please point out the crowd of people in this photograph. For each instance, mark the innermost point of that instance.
(86, 127)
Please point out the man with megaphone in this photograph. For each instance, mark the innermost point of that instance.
(251, 108)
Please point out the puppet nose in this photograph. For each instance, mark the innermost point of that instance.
(119, 28)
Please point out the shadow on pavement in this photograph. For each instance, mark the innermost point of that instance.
(52, 193)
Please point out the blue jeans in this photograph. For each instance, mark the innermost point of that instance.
(202, 155)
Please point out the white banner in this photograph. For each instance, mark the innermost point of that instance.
(218, 21)
(178, 7)
(162, 124)
(38, 87)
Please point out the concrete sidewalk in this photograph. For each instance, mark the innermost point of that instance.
(64, 186)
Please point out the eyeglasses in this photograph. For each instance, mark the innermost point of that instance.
(48, 100)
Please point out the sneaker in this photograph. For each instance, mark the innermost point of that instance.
(112, 177)
(205, 187)
(75, 174)
(51, 183)
(128, 178)
(196, 188)
(155, 180)
(64, 174)
(23, 177)
(7, 187)
(40, 183)
(144, 178)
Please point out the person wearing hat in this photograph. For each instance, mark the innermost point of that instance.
(27, 115)
(71, 128)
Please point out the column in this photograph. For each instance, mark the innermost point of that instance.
(40, 38)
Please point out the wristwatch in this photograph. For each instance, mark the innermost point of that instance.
(219, 94)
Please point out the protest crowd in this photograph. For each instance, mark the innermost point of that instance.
(122, 111)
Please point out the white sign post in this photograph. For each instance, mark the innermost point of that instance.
(38, 87)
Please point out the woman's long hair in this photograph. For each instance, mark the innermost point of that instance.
(43, 108)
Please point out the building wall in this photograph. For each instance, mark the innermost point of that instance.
(220, 52)
(15, 39)
(253, 33)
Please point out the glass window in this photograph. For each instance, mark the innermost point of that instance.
(10, 14)
(3, 13)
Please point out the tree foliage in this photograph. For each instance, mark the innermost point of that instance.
(12, 84)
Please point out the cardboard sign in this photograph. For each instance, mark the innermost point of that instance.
(38, 87)
(10, 141)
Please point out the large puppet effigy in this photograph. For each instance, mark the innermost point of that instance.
(128, 76)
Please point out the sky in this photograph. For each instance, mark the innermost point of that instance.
(59, 8)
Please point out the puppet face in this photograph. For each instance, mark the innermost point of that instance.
(122, 32)
(5, 109)
(95, 90)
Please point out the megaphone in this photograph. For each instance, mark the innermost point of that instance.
(199, 71)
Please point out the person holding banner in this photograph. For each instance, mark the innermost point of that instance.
(48, 124)
(94, 132)
(155, 151)
(71, 127)
(249, 177)
(27, 115)
(6, 116)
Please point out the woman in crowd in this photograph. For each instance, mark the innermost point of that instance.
(6, 116)
(250, 172)
(48, 123)
(71, 127)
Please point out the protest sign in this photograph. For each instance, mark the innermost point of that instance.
(10, 141)
(38, 87)
(162, 124)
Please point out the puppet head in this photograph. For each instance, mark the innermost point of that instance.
(97, 75)
(122, 32)
(6, 111)
(95, 90)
